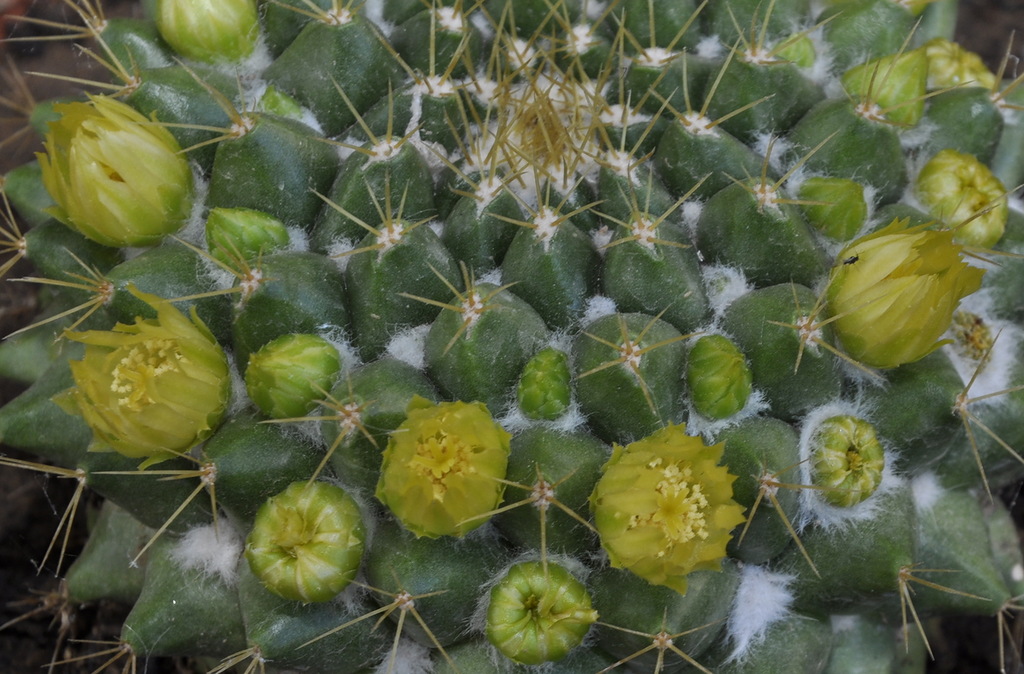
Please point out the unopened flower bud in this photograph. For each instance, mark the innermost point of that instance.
(242, 233)
(209, 30)
(544, 391)
(840, 210)
(719, 378)
(442, 468)
(962, 192)
(798, 50)
(117, 177)
(847, 460)
(306, 543)
(893, 293)
(288, 375)
(663, 507)
(152, 389)
(538, 613)
(950, 65)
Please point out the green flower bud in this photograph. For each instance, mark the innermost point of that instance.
(116, 176)
(663, 507)
(544, 391)
(950, 65)
(281, 104)
(841, 209)
(209, 30)
(307, 542)
(962, 192)
(538, 613)
(896, 84)
(847, 460)
(153, 389)
(442, 468)
(893, 293)
(288, 375)
(719, 378)
(243, 233)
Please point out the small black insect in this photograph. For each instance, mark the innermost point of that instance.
(851, 259)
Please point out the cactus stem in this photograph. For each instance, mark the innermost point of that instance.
(961, 408)
(257, 664)
(905, 578)
(768, 486)
(92, 281)
(248, 278)
(642, 227)
(117, 650)
(68, 518)
(661, 642)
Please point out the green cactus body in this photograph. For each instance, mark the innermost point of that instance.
(634, 334)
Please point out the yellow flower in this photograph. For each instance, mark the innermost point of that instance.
(442, 468)
(664, 507)
(894, 293)
(152, 389)
(116, 177)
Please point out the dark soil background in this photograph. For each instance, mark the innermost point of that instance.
(31, 504)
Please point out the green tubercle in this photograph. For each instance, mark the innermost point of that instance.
(307, 542)
(544, 390)
(538, 613)
(443, 467)
(847, 460)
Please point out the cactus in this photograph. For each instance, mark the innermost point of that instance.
(548, 335)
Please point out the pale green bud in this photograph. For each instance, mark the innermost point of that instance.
(847, 460)
(117, 177)
(719, 378)
(893, 293)
(209, 30)
(962, 192)
(798, 50)
(950, 65)
(288, 375)
(841, 209)
(233, 233)
(538, 613)
(306, 543)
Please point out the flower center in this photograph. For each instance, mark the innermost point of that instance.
(437, 457)
(680, 506)
(137, 372)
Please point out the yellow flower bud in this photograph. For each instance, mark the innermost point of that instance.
(664, 507)
(962, 192)
(209, 30)
(950, 65)
(442, 468)
(894, 293)
(152, 389)
(117, 177)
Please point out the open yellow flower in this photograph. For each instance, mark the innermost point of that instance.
(152, 389)
(116, 177)
(443, 467)
(664, 507)
(894, 292)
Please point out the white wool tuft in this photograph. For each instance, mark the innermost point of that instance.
(409, 657)
(212, 550)
(927, 491)
(408, 346)
(298, 239)
(724, 285)
(194, 230)
(763, 598)
(492, 277)
(998, 371)
(597, 307)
